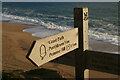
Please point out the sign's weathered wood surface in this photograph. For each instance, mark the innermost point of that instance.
(104, 62)
(49, 48)
(81, 22)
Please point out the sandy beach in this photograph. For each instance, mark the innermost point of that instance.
(15, 45)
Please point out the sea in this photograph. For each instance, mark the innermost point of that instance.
(48, 18)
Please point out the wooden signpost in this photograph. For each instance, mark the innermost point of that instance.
(81, 22)
(49, 48)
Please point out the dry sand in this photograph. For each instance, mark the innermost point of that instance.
(16, 44)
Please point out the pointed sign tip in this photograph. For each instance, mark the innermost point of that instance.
(29, 52)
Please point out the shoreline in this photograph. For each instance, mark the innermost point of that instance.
(16, 44)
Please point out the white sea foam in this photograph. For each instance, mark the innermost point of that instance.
(44, 29)
(21, 19)
(51, 25)
(103, 37)
(48, 25)
(41, 31)
(45, 33)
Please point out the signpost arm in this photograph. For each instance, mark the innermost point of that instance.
(81, 22)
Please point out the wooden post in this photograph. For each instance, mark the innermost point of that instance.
(81, 22)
